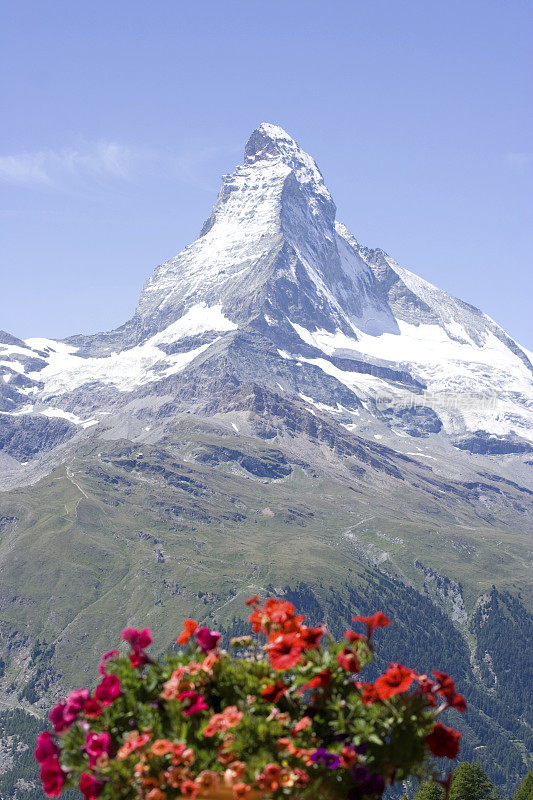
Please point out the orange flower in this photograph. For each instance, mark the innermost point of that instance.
(301, 725)
(348, 757)
(156, 794)
(189, 626)
(209, 661)
(189, 788)
(241, 791)
(161, 747)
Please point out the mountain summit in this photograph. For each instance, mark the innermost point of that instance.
(275, 291)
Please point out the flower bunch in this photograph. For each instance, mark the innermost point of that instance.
(285, 714)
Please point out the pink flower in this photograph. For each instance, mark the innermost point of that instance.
(107, 690)
(57, 717)
(45, 747)
(92, 708)
(75, 704)
(207, 640)
(52, 777)
(89, 786)
(97, 744)
(192, 703)
(106, 657)
(138, 639)
(138, 658)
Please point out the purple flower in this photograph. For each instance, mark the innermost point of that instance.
(330, 760)
(368, 783)
(207, 640)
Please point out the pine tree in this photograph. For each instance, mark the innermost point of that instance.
(525, 790)
(469, 782)
(429, 791)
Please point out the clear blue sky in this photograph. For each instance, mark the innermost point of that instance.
(118, 119)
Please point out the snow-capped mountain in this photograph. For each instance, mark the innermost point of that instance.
(276, 292)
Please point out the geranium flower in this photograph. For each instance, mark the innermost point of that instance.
(189, 626)
(352, 636)
(161, 747)
(322, 756)
(252, 601)
(443, 742)
(273, 692)
(368, 693)
(138, 658)
(45, 747)
(52, 776)
(75, 704)
(89, 786)
(138, 639)
(377, 620)
(92, 708)
(347, 659)
(301, 725)
(105, 658)
(319, 681)
(192, 703)
(285, 651)
(348, 757)
(310, 637)
(97, 744)
(395, 680)
(108, 690)
(189, 788)
(446, 688)
(57, 717)
(207, 640)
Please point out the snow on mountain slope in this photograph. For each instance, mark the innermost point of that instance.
(289, 295)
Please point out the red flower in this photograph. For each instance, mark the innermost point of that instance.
(310, 637)
(92, 708)
(320, 681)
(278, 611)
(443, 742)
(252, 601)
(107, 690)
(395, 680)
(446, 688)
(45, 747)
(137, 639)
(347, 659)
(368, 693)
(348, 757)
(273, 692)
(192, 703)
(285, 651)
(89, 786)
(378, 620)
(138, 658)
(352, 636)
(97, 744)
(189, 626)
(52, 776)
